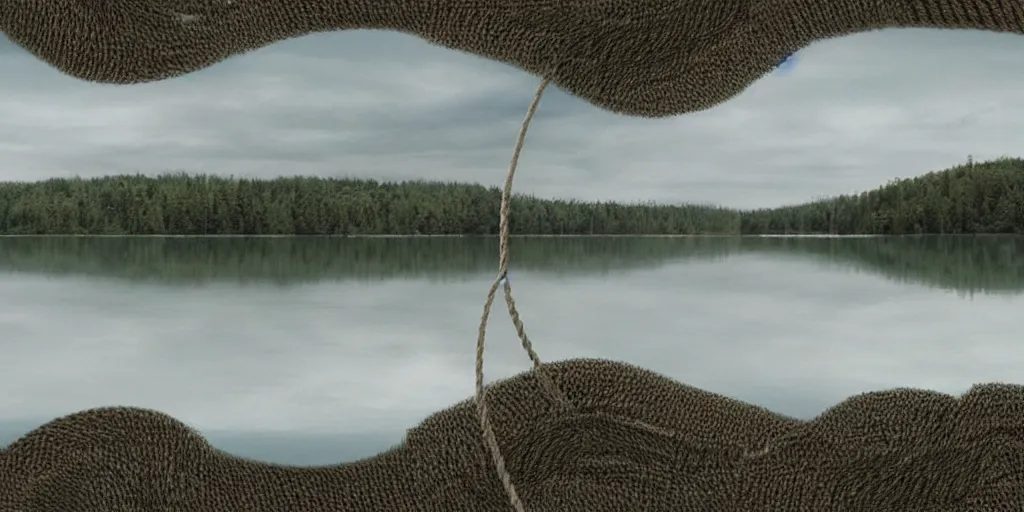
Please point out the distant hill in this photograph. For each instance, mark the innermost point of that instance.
(973, 198)
(983, 197)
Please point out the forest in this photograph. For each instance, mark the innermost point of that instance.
(973, 198)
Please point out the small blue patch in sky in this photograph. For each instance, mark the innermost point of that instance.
(786, 64)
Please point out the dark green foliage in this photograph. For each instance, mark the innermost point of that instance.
(184, 204)
(973, 198)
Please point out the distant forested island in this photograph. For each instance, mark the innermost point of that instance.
(985, 197)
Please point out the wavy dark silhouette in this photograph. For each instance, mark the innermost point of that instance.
(636, 57)
(635, 440)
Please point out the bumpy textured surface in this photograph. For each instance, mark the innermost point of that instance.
(636, 57)
(634, 441)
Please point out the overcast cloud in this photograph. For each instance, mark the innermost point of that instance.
(277, 374)
(851, 114)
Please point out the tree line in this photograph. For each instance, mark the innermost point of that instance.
(972, 198)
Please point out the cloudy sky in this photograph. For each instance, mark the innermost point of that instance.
(851, 114)
(325, 372)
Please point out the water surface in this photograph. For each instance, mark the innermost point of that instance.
(320, 350)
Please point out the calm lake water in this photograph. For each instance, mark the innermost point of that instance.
(317, 350)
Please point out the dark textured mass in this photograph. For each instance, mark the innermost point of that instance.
(634, 440)
(635, 57)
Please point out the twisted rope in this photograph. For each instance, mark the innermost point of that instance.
(490, 440)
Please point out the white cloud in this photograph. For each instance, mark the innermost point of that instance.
(852, 114)
(370, 358)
